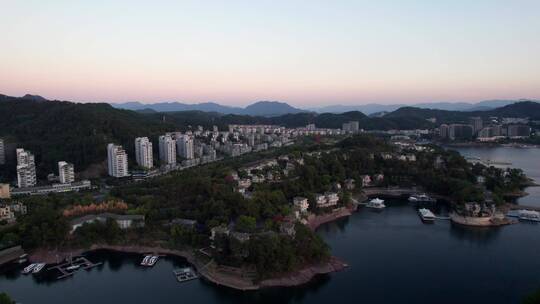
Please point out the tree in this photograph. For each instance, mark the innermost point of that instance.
(246, 224)
(5, 299)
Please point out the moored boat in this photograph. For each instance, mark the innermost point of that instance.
(153, 260)
(38, 267)
(146, 260)
(73, 267)
(421, 198)
(376, 203)
(528, 215)
(29, 268)
(426, 215)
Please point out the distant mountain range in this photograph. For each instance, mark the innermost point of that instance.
(261, 108)
(374, 108)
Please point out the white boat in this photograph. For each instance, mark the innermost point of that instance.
(22, 258)
(421, 198)
(426, 215)
(152, 261)
(29, 268)
(376, 203)
(73, 267)
(528, 215)
(38, 267)
(146, 260)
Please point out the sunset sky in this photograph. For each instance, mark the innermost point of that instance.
(306, 53)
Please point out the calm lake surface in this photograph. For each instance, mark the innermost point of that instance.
(393, 257)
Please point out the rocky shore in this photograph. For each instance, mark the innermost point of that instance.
(315, 221)
(306, 274)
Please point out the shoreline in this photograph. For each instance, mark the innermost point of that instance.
(208, 271)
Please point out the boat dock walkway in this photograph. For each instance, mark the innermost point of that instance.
(523, 207)
(79, 263)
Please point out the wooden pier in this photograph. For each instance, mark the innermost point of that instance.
(79, 263)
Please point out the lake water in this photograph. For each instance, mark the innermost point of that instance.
(393, 257)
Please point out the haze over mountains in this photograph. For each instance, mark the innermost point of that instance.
(274, 108)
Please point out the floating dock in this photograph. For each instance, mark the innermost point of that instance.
(185, 274)
(69, 268)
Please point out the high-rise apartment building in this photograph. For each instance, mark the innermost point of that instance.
(184, 146)
(2, 152)
(143, 152)
(167, 150)
(66, 172)
(26, 169)
(476, 123)
(117, 161)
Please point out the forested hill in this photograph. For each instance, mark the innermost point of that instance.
(77, 133)
(519, 109)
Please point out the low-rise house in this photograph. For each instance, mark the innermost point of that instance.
(123, 221)
(242, 237)
(332, 198)
(301, 203)
(219, 231)
(366, 180)
(6, 214)
(378, 178)
(349, 184)
(386, 155)
(244, 183)
(257, 179)
(407, 157)
(320, 200)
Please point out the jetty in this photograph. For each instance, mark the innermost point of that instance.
(69, 268)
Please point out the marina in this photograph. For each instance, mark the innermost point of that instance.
(69, 268)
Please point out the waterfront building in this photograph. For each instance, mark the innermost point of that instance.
(167, 150)
(117, 161)
(517, 131)
(460, 132)
(2, 152)
(66, 172)
(443, 131)
(184, 146)
(143, 152)
(26, 169)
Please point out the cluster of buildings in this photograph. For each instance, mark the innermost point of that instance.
(10, 211)
(179, 150)
(27, 177)
(490, 130)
